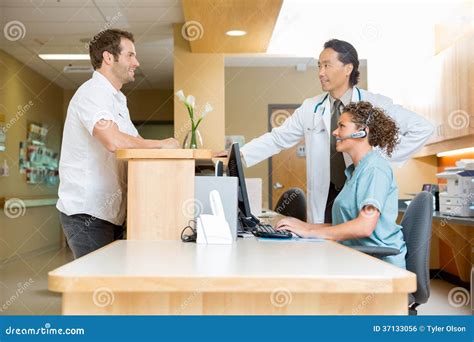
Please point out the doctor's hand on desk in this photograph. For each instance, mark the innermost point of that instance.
(302, 228)
(222, 154)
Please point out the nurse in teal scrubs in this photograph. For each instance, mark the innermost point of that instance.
(365, 211)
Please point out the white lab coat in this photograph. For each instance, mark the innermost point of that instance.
(312, 120)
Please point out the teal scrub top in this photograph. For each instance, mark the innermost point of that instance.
(372, 183)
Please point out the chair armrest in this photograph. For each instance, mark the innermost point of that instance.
(378, 252)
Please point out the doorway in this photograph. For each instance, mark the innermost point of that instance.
(288, 168)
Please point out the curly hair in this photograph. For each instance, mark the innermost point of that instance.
(383, 131)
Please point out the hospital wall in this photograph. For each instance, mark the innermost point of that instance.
(27, 96)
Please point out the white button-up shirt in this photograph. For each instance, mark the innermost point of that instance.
(92, 180)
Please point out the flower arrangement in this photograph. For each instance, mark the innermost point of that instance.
(189, 103)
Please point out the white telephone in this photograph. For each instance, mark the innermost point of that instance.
(214, 229)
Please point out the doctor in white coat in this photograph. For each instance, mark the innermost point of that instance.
(338, 74)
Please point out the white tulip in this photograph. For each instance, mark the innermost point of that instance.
(208, 108)
(190, 100)
(180, 95)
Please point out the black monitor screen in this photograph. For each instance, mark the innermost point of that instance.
(235, 169)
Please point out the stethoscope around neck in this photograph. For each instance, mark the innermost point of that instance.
(324, 108)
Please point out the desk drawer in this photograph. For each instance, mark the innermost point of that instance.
(450, 201)
(456, 210)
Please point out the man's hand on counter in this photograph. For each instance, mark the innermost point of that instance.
(169, 143)
(109, 135)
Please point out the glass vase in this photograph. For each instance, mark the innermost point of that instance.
(193, 140)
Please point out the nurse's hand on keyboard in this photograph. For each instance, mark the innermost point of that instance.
(294, 225)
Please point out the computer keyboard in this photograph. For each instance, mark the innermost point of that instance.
(267, 231)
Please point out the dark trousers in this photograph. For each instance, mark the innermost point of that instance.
(332, 194)
(86, 233)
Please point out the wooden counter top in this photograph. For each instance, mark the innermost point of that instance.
(163, 154)
(250, 265)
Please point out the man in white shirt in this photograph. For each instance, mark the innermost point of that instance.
(92, 188)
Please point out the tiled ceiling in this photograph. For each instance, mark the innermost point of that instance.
(65, 26)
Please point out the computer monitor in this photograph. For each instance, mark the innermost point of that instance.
(219, 169)
(235, 169)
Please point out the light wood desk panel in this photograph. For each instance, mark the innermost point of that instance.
(249, 277)
(160, 198)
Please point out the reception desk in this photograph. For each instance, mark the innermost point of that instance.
(160, 199)
(154, 273)
(250, 277)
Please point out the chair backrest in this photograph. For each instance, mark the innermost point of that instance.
(292, 203)
(416, 230)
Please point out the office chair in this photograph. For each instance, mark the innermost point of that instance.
(416, 228)
(292, 203)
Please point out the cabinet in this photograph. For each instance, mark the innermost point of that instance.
(452, 109)
(441, 89)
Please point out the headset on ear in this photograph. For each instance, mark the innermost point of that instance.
(355, 135)
(359, 134)
(362, 133)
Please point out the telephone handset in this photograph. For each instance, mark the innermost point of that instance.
(214, 229)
